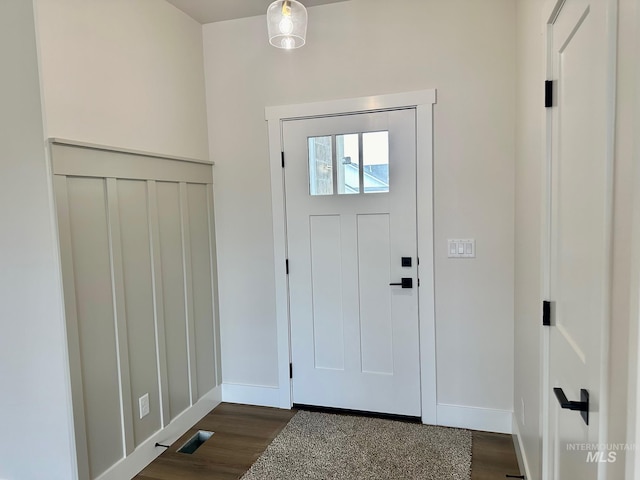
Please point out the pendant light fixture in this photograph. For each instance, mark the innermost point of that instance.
(287, 24)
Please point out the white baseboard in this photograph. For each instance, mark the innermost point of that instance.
(474, 418)
(521, 453)
(146, 452)
(251, 395)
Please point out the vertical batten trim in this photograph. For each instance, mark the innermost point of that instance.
(120, 316)
(214, 284)
(73, 334)
(158, 301)
(188, 292)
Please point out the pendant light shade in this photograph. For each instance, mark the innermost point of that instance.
(287, 24)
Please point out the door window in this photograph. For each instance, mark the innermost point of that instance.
(375, 149)
(321, 165)
(348, 160)
(348, 164)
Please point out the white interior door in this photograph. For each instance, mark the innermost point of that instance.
(351, 218)
(579, 243)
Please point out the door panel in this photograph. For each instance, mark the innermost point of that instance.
(579, 229)
(374, 270)
(327, 292)
(351, 217)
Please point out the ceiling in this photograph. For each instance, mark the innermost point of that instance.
(208, 11)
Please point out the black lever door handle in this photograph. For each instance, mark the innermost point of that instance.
(582, 406)
(405, 283)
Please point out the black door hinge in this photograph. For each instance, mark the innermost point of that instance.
(286, 265)
(546, 313)
(291, 370)
(548, 93)
(418, 282)
(282, 157)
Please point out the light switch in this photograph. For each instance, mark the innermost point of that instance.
(461, 248)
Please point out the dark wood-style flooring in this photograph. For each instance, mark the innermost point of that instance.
(242, 433)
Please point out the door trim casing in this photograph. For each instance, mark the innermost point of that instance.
(422, 101)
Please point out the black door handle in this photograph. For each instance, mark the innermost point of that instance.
(405, 283)
(582, 406)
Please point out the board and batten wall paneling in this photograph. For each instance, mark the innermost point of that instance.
(95, 321)
(175, 320)
(202, 288)
(137, 250)
(158, 301)
(136, 261)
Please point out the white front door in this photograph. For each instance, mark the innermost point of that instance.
(351, 228)
(579, 239)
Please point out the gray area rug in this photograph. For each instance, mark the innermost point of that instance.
(321, 446)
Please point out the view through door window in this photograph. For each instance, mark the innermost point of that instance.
(347, 164)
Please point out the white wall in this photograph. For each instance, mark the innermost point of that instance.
(529, 198)
(465, 49)
(123, 73)
(35, 413)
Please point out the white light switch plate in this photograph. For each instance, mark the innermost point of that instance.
(143, 403)
(461, 248)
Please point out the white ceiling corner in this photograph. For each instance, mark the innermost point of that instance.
(209, 11)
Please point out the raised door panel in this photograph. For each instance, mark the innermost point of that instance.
(326, 292)
(375, 299)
